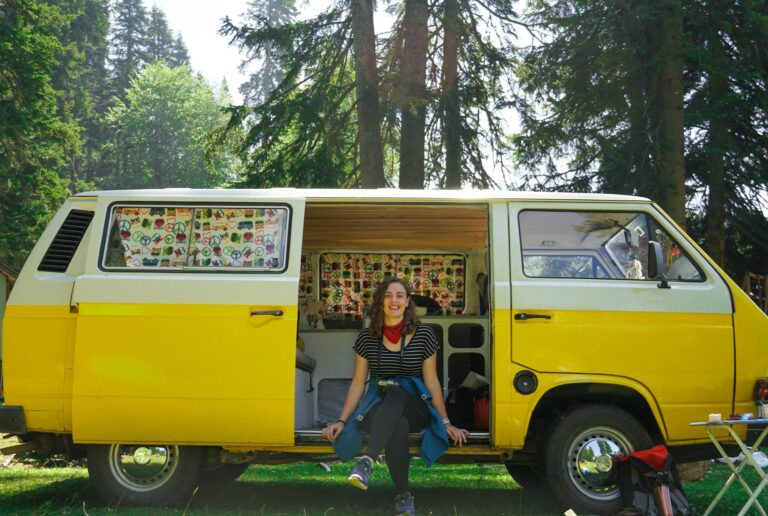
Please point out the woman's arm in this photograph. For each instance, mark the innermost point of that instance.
(354, 393)
(431, 380)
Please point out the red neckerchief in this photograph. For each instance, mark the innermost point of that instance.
(393, 332)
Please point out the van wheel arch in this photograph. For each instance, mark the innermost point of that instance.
(560, 400)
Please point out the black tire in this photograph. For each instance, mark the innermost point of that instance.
(145, 475)
(576, 476)
(222, 473)
(525, 475)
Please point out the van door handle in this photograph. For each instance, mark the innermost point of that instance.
(276, 313)
(524, 316)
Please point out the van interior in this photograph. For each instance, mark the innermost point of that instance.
(442, 252)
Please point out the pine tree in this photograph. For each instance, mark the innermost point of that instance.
(367, 90)
(159, 39)
(604, 92)
(304, 133)
(318, 126)
(179, 55)
(449, 99)
(469, 63)
(127, 44)
(96, 82)
(268, 72)
(80, 79)
(727, 116)
(35, 143)
(412, 94)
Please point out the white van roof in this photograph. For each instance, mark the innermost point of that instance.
(384, 194)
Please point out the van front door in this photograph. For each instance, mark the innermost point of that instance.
(584, 309)
(187, 322)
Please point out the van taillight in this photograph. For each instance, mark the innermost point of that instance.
(761, 390)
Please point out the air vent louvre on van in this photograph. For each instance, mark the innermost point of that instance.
(65, 243)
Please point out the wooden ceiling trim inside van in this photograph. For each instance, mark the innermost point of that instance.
(395, 227)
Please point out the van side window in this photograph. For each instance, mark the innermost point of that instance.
(175, 237)
(598, 245)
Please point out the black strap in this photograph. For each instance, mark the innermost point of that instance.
(402, 350)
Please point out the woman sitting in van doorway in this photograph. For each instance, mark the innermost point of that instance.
(401, 356)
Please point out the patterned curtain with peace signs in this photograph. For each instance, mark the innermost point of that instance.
(152, 237)
(347, 280)
(238, 237)
(175, 237)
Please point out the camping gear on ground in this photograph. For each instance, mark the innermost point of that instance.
(649, 483)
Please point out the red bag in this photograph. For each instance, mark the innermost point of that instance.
(482, 411)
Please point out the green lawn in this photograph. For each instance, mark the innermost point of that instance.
(305, 488)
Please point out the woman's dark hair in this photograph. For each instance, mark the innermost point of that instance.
(377, 309)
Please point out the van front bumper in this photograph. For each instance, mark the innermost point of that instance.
(12, 420)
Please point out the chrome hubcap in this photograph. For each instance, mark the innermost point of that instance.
(143, 468)
(590, 461)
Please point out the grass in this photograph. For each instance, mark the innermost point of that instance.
(300, 489)
(307, 489)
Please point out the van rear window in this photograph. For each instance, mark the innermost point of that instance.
(598, 245)
(197, 237)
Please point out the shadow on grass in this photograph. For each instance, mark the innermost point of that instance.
(73, 495)
(46, 497)
(311, 498)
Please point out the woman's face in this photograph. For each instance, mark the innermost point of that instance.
(395, 301)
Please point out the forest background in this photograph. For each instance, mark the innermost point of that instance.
(660, 98)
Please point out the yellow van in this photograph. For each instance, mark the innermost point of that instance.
(176, 336)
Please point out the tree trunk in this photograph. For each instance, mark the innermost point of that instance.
(637, 177)
(450, 97)
(715, 232)
(367, 87)
(718, 91)
(413, 94)
(667, 98)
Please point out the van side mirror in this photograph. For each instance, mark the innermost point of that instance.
(656, 264)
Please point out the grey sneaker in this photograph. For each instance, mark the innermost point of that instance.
(404, 505)
(361, 473)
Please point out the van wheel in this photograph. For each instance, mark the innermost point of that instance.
(578, 468)
(526, 476)
(222, 473)
(145, 475)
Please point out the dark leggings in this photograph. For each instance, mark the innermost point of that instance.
(388, 424)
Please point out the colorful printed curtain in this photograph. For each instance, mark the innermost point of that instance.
(238, 237)
(347, 280)
(306, 279)
(153, 237)
(223, 237)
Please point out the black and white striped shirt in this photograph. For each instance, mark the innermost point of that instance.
(422, 345)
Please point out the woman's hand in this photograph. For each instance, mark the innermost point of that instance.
(457, 435)
(332, 431)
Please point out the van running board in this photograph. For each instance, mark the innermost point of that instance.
(314, 436)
